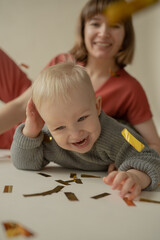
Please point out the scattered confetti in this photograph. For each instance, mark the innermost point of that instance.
(55, 190)
(71, 196)
(24, 65)
(78, 181)
(73, 175)
(47, 138)
(114, 74)
(8, 189)
(63, 182)
(101, 195)
(69, 181)
(13, 229)
(132, 140)
(148, 200)
(89, 176)
(120, 11)
(44, 174)
(129, 202)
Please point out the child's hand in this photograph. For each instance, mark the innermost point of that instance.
(130, 182)
(111, 168)
(34, 123)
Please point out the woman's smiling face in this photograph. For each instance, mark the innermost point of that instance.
(102, 40)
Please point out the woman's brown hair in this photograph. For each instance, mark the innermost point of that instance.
(92, 8)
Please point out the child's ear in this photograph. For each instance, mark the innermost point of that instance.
(98, 104)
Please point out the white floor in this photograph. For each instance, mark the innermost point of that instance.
(55, 217)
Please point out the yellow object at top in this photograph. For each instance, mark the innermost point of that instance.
(132, 140)
(119, 11)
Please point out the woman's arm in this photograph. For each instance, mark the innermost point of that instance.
(148, 131)
(14, 112)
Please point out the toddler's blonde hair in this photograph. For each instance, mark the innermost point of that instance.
(58, 81)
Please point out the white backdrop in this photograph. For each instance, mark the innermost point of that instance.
(34, 31)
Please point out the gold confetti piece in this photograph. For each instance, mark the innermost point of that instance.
(55, 190)
(89, 176)
(114, 74)
(47, 138)
(69, 181)
(71, 196)
(44, 174)
(101, 195)
(73, 175)
(129, 202)
(24, 65)
(14, 229)
(148, 200)
(132, 140)
(63, 182)
(120, 11)
(8, 189)
(78, 181)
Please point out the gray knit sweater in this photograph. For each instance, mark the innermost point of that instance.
(111, 147)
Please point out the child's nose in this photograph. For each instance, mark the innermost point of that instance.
(76, 133)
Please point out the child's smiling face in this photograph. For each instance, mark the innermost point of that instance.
(74, 124)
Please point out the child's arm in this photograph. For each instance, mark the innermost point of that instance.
(27, 150)
(130, 182)
(34, 123)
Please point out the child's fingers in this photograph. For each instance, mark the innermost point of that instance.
(135, 192)
(30, 107)
(125, 183)
(29, 104)
(109, 179)
(127, 187)
(32, 111)
(119, 179)
(111, 168)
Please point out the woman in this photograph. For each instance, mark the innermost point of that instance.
(105, 50)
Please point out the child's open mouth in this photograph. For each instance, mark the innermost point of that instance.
(82, 143)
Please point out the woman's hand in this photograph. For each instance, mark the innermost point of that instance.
(130, 182)
(34, 123)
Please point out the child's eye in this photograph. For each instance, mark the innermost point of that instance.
(82, 118)
(60, 128)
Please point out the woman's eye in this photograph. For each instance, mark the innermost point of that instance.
(82, 118)
(116, 26)
(95, 24)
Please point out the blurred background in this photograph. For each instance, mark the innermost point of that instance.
(32, 32)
